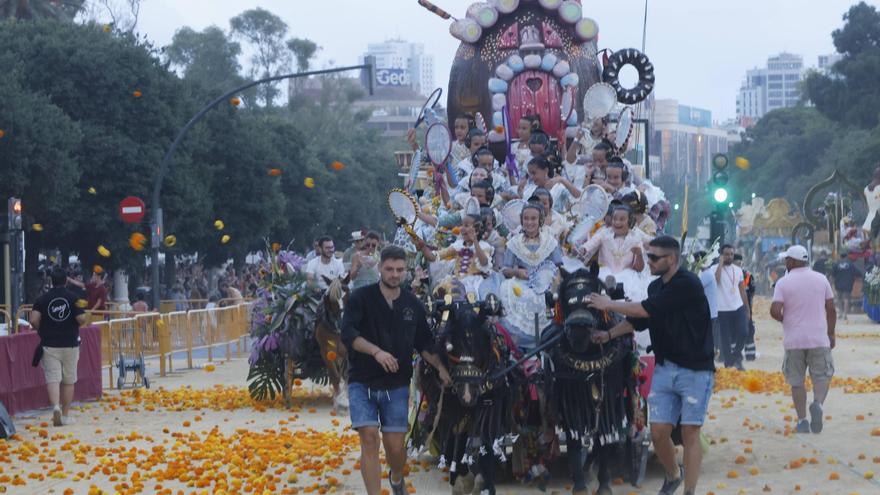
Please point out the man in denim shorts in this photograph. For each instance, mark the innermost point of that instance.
(804, 303)
(677, 314)
(381, 327)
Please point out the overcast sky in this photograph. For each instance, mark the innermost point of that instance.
(701, 48)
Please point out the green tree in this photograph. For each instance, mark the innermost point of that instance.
(849, 93)
(62, 10)
(265, 32)
(128, 108)
(303, 51)
(37, 162)
(207, 58)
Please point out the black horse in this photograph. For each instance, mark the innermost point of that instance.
(468, 425)
(593, 386)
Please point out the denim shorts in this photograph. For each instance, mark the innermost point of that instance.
(678, 392)
(379, 407)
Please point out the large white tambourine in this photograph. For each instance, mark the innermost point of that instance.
(510, 215)
(624, 127)
(567, 104)
(590, 208)
(542, 277)
(472, 206)
(403, 206)
(599, 100)
(438, 142)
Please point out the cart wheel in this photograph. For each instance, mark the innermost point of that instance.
(120, 382)
(146, 382)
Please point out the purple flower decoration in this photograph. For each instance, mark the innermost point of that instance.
(270, 342)
(290, 258)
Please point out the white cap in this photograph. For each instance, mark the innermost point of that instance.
(796, 252)
(357, 235)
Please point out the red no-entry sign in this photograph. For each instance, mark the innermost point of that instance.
(132, 209)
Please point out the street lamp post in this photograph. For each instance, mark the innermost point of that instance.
(156, 209)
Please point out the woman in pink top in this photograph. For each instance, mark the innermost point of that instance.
(804, 303)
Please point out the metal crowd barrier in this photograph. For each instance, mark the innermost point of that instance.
(130, 333)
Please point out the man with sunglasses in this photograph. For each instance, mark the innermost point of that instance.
(677, 314)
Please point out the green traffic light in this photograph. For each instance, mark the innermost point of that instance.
(720, 195)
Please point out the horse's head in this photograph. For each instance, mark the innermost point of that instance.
(467, 339)
(578, 319)
(336, 295)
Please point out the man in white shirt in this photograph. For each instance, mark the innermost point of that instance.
(324, 266)
(733, 308)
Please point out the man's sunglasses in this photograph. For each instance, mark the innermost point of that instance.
(656, 257)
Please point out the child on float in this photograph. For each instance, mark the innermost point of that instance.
(616, 177)
(638, 202)
(482, 191)
(471, 256)
(540, 174)
(620, 250)
(602, 153)
(493, 236)
(555, 223)
(529, 251)
(522, 148)
(462, 124)
(484, 158)
(579, 152)
(474, 140)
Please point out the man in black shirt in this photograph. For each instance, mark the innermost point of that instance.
(57, 316)
(844, 274)
(381, 327)
(677, 313)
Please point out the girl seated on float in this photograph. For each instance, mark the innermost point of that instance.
(475, 140)
(541, 175)
(602, 153)
(616, 176)
(638, 202)
(482, 191)
(555, 223)
(502, 184)
(493, 236)
(523, 148)
(532, 257)
(621, 252)
(472, 259)
(460, 127)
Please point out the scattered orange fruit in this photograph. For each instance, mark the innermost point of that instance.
(337, 166)
(834, 476)
(137, 93)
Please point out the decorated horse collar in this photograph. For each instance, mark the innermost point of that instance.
(586, 365)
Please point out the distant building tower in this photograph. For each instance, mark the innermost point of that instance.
(776, 86)
(826, 61)
(403, 64)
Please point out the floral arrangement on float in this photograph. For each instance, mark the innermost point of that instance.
(872, 287)
(282, 326)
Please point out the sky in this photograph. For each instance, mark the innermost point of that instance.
(701, 49)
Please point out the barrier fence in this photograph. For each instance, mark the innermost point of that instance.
(132, 335)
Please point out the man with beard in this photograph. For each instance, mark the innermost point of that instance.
(381, 327)
(676, 313)
(733, 308)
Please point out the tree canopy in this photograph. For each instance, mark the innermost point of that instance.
(791, 149)
(88, 113)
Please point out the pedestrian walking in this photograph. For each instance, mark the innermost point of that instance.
(677, 315)
(844, 274)
(733, 309)
(57, 316)
(751, 350)
(804, 303)
(381, 327)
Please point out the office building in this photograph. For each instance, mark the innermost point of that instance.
(402, 64)
(766, 89)
(683, 143)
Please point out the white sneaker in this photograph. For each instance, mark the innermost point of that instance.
(67, 420)
(57, 419)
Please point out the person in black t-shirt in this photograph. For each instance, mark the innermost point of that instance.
(381, 327)
(677, 313)
(844, 274)
(57, 316)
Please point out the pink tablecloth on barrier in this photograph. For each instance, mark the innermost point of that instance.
(23, 387)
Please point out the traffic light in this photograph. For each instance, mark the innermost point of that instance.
(14, 213)
(719, 179)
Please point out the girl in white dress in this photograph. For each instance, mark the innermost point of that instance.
(621, 253)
